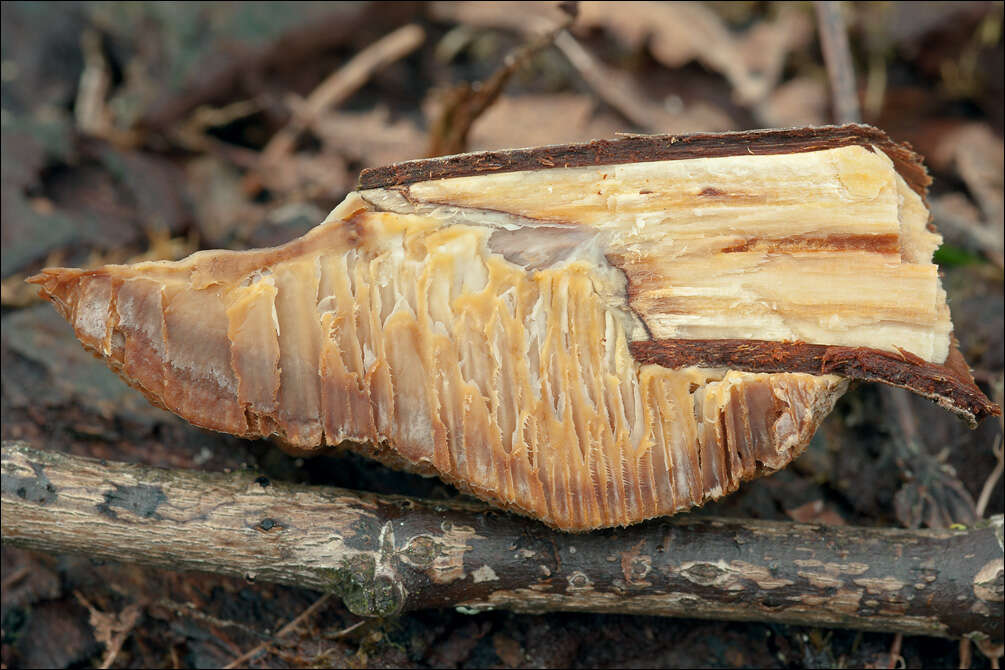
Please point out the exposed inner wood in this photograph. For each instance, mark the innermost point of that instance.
(827, 247)
(506, 331)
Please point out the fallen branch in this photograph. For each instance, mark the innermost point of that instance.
(386, 554)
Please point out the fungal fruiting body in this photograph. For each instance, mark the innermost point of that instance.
(591, 335)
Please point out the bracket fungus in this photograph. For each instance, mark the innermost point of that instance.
(590, 334)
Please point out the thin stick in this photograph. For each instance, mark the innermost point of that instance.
(966, 654)
(992, 480)
(17, 576)
(464, 104)
(284, 631)
(895, 657)
(190, 610)
(348, 629)
(614, 87)
(386, 554)
(89, 108)
(341, 84)
(837, 56)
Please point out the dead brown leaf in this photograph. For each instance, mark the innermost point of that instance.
(960, 223)
(530, 120)
(508, 650)
(816, 511)
(519, 17)
(678, 33)
(675, 33)
(111, 629)
(977, 155)
(371, 138)
(619, 90)
(223, 210)
(799, 102)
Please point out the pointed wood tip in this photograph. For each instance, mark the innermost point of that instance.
(60, 286)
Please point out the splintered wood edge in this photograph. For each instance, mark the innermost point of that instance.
(648, 148)
(949, 384)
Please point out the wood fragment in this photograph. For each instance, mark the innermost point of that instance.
(590, 334)
(387, 554)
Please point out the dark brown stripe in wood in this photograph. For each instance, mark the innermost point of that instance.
(882, 244)
(646, 148)
(950, 384)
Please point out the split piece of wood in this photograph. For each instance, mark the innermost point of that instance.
(387, 554)
(591, 334)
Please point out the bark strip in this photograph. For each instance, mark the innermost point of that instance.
(387, 554)
(646, 148)
(951, 384)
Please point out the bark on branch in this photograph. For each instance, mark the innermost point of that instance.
(386, 554)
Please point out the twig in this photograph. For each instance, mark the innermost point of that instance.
(338, 635)
(89, 108)
(614, 87)
(341, 84)
(966, 654)
(386, 554)
(895, 657)
(15, 577)
(464, 104)
(837, 56)
(191, 610)
(992, 480)
(284, 631)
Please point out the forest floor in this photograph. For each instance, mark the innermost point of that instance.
(148, 131)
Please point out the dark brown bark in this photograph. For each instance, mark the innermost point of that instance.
(385, 554)
(951, 384)
(645, 148)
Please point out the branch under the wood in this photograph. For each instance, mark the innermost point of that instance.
(386, 554)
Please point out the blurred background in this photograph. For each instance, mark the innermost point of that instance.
(148, 131)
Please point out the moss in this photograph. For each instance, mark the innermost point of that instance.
(364, 592)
